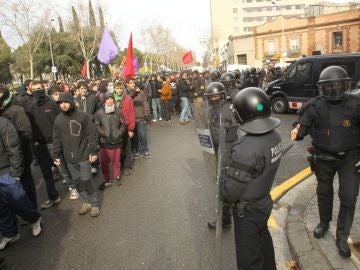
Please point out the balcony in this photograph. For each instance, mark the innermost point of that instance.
(294, 53)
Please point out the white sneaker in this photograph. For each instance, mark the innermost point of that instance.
(36, 227)
(160, 119)
(154, 120)
(74, 194)
(8, 240)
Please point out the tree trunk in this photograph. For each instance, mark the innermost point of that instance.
(31, 62)
(87, 69)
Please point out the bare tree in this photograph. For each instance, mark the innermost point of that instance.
(86, 35)
(28, 20)
(161, 49)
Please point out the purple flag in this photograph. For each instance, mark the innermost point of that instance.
(136, 64)
(108, 50)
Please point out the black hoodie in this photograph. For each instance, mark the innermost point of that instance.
(74, 134)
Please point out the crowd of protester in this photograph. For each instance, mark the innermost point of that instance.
(72, 129)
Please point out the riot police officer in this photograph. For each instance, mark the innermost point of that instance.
(228, 80)
(333, 120)
(217, 100)
(248, 178)
(215, 75)
(237, 74)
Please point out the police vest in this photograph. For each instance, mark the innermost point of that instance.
(252, 168)
(337, 125)
(227, 118)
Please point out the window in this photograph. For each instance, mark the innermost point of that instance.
(236, 29)
(235, 1)
(288, 7)
(300, 74)
(294, 44)
(247, 29)
(235, 10)
(236, 20)
(303, 74)
(271, 47)
(337, 39)
(242, 59)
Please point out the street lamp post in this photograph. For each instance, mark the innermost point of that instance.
(283, 41)
(53, 67)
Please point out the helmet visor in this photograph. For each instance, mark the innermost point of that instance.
(334, 90)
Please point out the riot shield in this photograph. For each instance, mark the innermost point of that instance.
(219, 178)
(200, 114)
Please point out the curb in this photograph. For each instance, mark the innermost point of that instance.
(305, 251)
(309, 252)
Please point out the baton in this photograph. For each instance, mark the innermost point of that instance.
(287, 148)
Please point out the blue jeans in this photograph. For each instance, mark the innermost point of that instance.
(156, 107)
(184, 109)
(141, 132)
(14, 201)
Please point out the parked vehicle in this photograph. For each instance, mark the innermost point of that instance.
(298, 84)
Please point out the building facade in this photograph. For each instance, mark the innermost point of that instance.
(239, 17)
(288, 39)
(232, 21)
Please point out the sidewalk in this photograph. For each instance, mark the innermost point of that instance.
(297, 215)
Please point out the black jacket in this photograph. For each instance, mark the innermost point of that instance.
(198, 86)
(11, 158)
(183, 87)
(74, 136)
(18, 117)
(25, 100)
(111, 128)
(91, 104)
(42, 116)
(155, 85)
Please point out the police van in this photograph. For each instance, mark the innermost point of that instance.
(298, 84)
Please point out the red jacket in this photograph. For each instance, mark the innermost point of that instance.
(127, 109)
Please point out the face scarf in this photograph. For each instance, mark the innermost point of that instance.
(109, 109)
(39, 95)
(119, 98)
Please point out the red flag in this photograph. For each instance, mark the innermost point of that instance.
(187, 58)
(84, 70)
(129, 61)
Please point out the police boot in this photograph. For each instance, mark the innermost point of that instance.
(226, 224)
(343, 248)
(320, 230)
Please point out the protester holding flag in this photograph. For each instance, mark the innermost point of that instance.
(142, 112)
(126, 105)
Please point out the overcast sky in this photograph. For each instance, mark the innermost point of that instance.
(188, 20)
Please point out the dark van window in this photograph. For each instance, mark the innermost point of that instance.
(348, 66)
(300, 74)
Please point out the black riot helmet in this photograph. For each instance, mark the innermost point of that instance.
(215, 75)
(251, 108)
(228, 79)
(215, 93)
(333, 83)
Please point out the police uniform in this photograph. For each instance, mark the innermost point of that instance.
(249, 176)
(333, 120)
(217, 108)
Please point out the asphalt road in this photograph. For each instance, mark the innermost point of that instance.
(156, 220)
